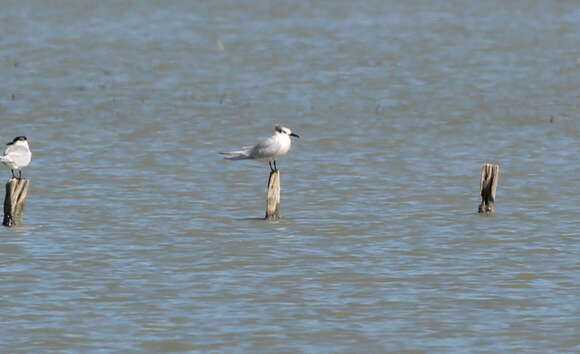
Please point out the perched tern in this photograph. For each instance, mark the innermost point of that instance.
(267, 150)
(17, 155)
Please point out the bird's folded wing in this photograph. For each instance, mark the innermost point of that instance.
(265, 149)
(15, 149)
(18, 154)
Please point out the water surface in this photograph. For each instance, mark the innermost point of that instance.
(138, 237)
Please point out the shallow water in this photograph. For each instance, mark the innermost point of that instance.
(137, 236)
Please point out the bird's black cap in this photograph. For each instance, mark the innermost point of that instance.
(18, 138)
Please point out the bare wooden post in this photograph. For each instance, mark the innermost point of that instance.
(16, 192)
(273, 197)
(489, 179)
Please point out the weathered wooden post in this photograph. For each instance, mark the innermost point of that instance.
(489, 179)
(16, 192)
(273, 196)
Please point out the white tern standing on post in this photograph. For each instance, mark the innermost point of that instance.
(17, 155)
(267, 150)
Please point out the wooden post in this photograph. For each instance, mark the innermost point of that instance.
(273, 197)
(489, 179)
(16, 192)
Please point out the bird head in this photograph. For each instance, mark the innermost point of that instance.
(283, 130)
(17, 139)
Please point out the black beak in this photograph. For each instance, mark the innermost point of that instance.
(295, 135)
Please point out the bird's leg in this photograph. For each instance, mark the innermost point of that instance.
(275, 167)
(19, 174)
(270, 164)
(13, 176)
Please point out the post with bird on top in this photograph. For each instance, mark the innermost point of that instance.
(268, 150)
(489, 180)
(273, 196)
(16, 156)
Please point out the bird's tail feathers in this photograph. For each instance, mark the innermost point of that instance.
(236, 155)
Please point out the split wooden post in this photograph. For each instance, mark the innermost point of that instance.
(273, 196)
(16, 192)
(489, 179)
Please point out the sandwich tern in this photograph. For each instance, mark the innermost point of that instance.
(17, 155)
(266, 150)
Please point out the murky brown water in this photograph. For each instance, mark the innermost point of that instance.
(139, 237)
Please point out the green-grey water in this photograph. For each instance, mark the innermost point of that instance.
(139, 237)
